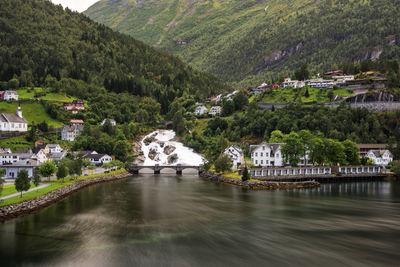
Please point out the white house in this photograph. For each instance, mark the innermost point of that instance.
(98, 159)
(236, 155)
(380, 157)
(52, 148)
(200, 110)
(41, 157)
(343, 79)
(70, 132)
(112, 122)
(13, 168)
(321, 83)
(10, 122)
(8, 158)
(267, 154)
(215, 110)
(9, 95)
(293, 83)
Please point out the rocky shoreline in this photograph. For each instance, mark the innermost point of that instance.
(32, 205)
(262, 185)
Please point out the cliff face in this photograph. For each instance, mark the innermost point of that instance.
(251, 40)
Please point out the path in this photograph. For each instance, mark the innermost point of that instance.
(18, 194)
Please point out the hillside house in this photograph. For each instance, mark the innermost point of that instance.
(9, 158)
(10, 122)
(236, 154)
(216, 110)
(112, 122)
(200, 111)
(380, 157)
(52, 148)
(321, 83)
(9, 95)
(293, 83)
(98, 159)
(267, 155)
(13, 168)
(41, 157)
(70, 132)
(74, 106)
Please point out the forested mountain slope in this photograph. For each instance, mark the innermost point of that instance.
(39, 40)
(251, 40)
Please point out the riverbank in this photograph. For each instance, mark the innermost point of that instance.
(258, 185)
(34, 204)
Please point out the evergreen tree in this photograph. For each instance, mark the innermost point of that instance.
(245, 174)
(36, 177)
(22, 182)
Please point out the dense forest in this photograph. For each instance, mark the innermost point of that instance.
(41, 42)
(248, 41)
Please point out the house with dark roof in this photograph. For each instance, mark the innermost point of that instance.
(380, 157)
(236, 154)
(13, 122)
(70, 132)
(267, 154)
(98, 159)
(12, 169)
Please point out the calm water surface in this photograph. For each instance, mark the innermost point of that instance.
(185, 221)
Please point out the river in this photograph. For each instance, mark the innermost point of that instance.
(170, 220)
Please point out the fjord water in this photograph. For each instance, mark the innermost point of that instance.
(170, 220)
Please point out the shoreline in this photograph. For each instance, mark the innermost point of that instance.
(258, 185)
(33, 205)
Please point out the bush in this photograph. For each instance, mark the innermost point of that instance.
(223, 163)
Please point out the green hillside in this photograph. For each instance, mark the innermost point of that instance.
(250, 40)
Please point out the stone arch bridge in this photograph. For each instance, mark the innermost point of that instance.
(135, 169)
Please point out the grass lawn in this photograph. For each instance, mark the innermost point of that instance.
(54, 185)
(10, 189)
(33, 112)
(57, 97)
(15, 143)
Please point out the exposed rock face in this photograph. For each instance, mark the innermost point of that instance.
(149, 140)
(279, 55)
(153, 154)
(374, 96)
(172, 158)
(169, 149)
(29, 206)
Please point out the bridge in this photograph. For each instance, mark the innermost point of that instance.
(134, 169)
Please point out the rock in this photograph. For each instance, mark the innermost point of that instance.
(172, 158)
(149, 140)
(153, 154)
(169, 149)
(161, 144)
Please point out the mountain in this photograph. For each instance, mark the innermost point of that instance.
(40, 41)
(249, 41)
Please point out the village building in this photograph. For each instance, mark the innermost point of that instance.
(70, 132)
(98, 159)
(236, 154)
(321, 83)
(112, 122)
(74, 106)
(293, 83)
(52, 148)
(365, 148)
(215, 110)
(57, 155)
(13, 168)
(9, 95)
(267, 154)
(41, 157)
(200, 111)
(10, 122)
(8, 158)
(380, 157)
(5, 150)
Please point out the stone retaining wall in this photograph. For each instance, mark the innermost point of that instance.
(31, 205)
(262, 185)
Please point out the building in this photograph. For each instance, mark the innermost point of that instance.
(112, 122)
(41, 157)
(215, 110)
(13, 168)
(334, 73)
(200, 111)
(365, 148)
(267, 154)
(70, 132)
(10, 122)
(289, 171)
(293, 83)
(8, 158)
(57, 156)
(75, 105)
(9, 95)
(343, 79)
(236, 155)
(380, 157)
(53, 148)
(5, 150)
(321, 83)
(97, 159)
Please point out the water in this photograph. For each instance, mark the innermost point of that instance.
(185, 221)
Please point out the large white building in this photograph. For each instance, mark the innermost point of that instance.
(267, 155)
(200, 110)
(293, 83)
(321, 83)
(236, 155)
(380, 157)
(10, 122)
(13, 168)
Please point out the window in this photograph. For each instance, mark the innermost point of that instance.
(261, 154)
(277, 155)
(262, 162)
(263, 148)
(256, 154)
(256, 162)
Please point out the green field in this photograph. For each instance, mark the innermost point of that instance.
(15, 143)
(33, 112)
(54, 185)
(10, 189)
(288, 95)
(56, 97)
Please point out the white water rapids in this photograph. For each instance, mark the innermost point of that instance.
(163, 139)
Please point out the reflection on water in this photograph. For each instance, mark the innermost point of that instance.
(184, 221)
